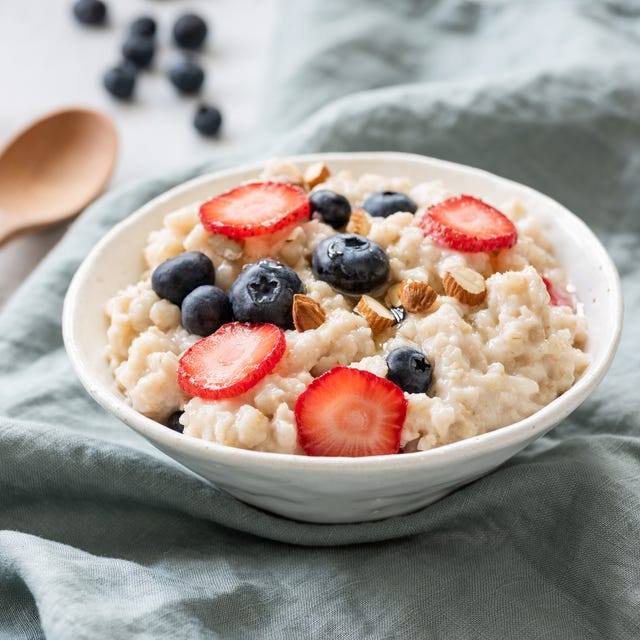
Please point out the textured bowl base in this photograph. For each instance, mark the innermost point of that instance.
(330, 513)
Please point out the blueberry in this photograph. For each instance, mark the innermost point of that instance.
(91, 12)
(177, 277)
(189, 31)
(207, 120)
(174, 421)
(186, 76)
(333, 208)
(350, 263)
(384, 203)
(143, 26)
(205, 310)
(409, 369)
(120, 81)
(264, 292)
(139, 50)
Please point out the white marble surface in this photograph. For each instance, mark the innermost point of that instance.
(49, 61)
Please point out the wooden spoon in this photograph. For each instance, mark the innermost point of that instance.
(54, 168)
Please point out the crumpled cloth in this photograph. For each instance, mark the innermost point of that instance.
(102, 536)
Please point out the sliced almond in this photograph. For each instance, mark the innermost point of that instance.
(377, 315)
(307, 313)
(392, 298)
(416, 296)
(464, 284)
(316, 173)
(359, 223)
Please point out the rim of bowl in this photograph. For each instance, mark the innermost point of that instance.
(541, 421)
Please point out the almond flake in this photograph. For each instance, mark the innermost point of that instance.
(464, 284)
(415, 296)
(391, 298)
(307, 313)
(359, 223)
(378, 317)
(316, 173)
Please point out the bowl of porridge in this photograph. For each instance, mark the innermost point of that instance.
(344, 337)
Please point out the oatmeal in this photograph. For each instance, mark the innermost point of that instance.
(453, 331)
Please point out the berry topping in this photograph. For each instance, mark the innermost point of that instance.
(174, 421)
(139, 50)
(349, 412)
(189, 31)
(207, 120)
(255, 209)
(384, 203)
(333, 208)
(186, 76)
(264, 292)
(465, 223)
(90, 12)
(120, 81)
(205, 310)
(409, 369)
(143, 26)
(351, 264)
(557, 296)
(177, 277)
(230, 361)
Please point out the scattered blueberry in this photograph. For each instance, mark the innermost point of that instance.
(384, 203)
(333, 208)
(186, 76)
(120, 81)
(189, 31)
(139, 50)
(91, 12)
(207, 120)
(409, 369)
(264, 292)
(143, 26)
(174, 421)
(177, 277)
(205, 310)
(351, 264)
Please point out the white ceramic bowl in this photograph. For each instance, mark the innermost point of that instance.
(341, 489)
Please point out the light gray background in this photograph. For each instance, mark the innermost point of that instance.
(49, 61)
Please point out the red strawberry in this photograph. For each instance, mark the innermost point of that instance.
(255, 209)
(558, 297)
(465, 223)
(349, 412)
(231, 360)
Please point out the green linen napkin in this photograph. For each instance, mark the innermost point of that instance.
(101, 536)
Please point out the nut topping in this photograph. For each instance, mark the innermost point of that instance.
(307, 313)
(377, 315)
(316, 173)
(415, 296)
(464, 284)
(359, 223)
(391, 298)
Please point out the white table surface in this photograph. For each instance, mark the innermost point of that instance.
(49, 61)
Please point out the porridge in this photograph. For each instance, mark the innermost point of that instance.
(345, 315)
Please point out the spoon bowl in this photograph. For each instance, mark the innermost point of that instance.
(54, 168)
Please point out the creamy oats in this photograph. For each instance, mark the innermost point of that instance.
(493, 364)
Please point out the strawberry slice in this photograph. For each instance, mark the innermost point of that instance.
(465, 223)
(255, 209)
(230, 361)
(558, 297)
(349, 412)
